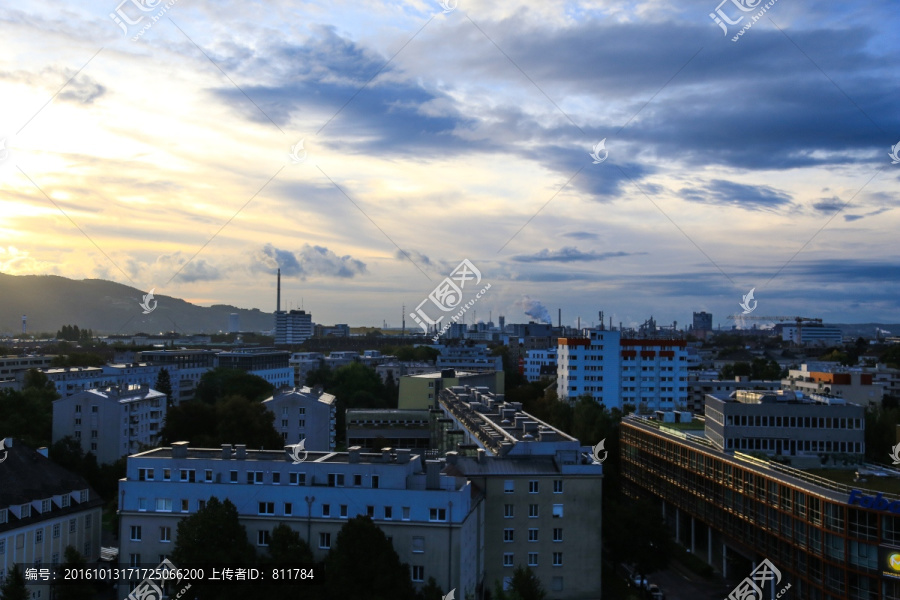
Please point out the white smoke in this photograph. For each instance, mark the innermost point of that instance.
(535, 310)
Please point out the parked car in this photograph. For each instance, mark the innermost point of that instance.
(655, 592)
(639, 581)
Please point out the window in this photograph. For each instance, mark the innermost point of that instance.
(532, 535)
(38, 536)
(145, 474)
(507, 559)
(267, 508)
(508, 511)
(335, 480)
(207, 474)
(276, 477)
(56, 530)
(167, 474)
(357, 480)
(556, 584)
(343, 511)
(45, 506)
(135, 533)
(301, 423)
(201, 504)
(142, 504)
(188, 475)
(284, 423)
(77, 408)
(557, 559)
(298, 479)
(388, 512)
(93, 446)
(165, 534)
(557, 511)
(557, 534)
(418, 545)
(532, 559)
(95, 409)
(234, 476)
(54, 559)
(134, 560)
(405, 513)
(288, 509)
(509, 535)
(437, 514)
(532, 511)
(370, 511)
(374, 481)
(509, 486)
(557, 486)
(164, 504)
(325, 541)
(262, 537)
(77, 435)
(326, 510)
(88, 521)
(184, 505)
(255, 477)
(418, 573)
(533, 487)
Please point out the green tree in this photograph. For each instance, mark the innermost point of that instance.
(287, 549)
(214, 536)
(164, 385)
(72, 559)
(431, 591)
(240, 420)
(363, 565)
(220, 382)
(891, 356)
(14, 586)
(28, 414)
(524, 585)
(191, 421)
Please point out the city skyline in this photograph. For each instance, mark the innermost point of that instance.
(432, 134)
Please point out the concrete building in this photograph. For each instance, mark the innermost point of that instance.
(828, 540)
(812, 334)
(394, 427)
(542, 496)
(434, 521)
(71, 380)
(419, 392)
(698, 389)
(292, 327)
(702, 325)
(13, 369)
(268, 363)
(43, 509)
(234, 323)
(303, 363)
(540, 363)
(338, 330)
(852, 385)
(186, 367)
(809, 430)
(397, 369)
(340, 358)
(111, 422)
(464, 358)
(304, 414)
(650, 374)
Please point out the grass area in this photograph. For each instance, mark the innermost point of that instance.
(887, 485)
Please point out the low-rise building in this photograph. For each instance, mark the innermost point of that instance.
(268, 363)
(698, 389)
(13, 369)
(111, 422)
(434, 521)
(43, 509)
(304, 414)
(419, 392)
(303, 363)
(468, 358)
(540, 364)
(390, 427)
(852, 385)
(185, 367)
(397, 369)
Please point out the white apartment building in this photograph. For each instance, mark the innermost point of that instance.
(536, 359)
(465, 358)
(305, 414)
(111, 422)
(13, 368)
(43, 509)
(434, 521)
(650, 374)
(303, 363)
(185, 367)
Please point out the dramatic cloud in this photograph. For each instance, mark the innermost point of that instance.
(729, 193)
(308, 261)
(569, 254)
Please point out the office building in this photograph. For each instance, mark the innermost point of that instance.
(418, 392)
(268, 363)
(341, 330)
(812, 334)
(234, 323)
(542, 495)
(304, 414)
(434, 521)
(43, 509)
(853, 385)
(464, 358)
(830, 538)
(185, 367)
(303, 363)
(390, 427)
(702, 325)
(111, 422)
(707, 384)
(397, 369)
(292, 327)
(649, 374)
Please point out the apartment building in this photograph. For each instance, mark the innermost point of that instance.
(304, 414)
(111, 422)
(433, 520)
(539, 364)
(268, 363)
(853, 385)
(419, 392)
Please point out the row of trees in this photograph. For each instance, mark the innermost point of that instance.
(758, 369)
(27, 415)
(72, 333)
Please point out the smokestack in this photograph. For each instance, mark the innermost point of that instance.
(278, 302)
(559, 318)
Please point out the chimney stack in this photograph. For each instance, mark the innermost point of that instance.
(278, 301)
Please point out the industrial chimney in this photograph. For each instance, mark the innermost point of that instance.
(278, 302)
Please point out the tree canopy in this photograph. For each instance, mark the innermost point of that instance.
(27, 415)
(524, 585)
(13, 587)
(217, 383)
(232, 420)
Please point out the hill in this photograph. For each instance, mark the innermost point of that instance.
(107, 307)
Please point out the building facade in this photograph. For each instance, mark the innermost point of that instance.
(268, 363)
(419, 392)
(397, 428)
(292, 327)
(540, 363)
(304, 414)
(852, 385)
(185, 367)
(111, 422)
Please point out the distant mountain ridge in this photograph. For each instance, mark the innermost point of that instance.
(107, 307)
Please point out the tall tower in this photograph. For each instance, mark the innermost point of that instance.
(24, 324)
(278, 301)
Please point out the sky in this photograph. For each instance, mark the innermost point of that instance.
(637, 158)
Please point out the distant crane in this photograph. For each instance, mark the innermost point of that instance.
(799, 320)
